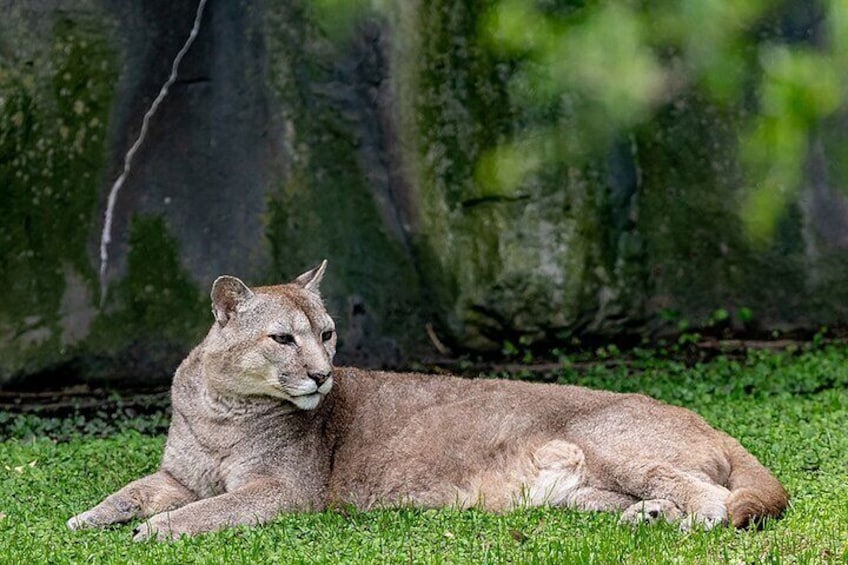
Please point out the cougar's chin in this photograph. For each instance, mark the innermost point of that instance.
(307, 401)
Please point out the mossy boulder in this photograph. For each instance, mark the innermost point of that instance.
(333, 200)
(57, 79)
(641, 238)
(289, 138)
(256, 164)
(539, 261)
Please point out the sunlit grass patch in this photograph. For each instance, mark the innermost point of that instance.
(789, 410)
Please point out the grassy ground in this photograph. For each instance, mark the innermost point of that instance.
(790, 410)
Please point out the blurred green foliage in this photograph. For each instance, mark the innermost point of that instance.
(617, 63)
(599, 69)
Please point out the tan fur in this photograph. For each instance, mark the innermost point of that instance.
(262, 424)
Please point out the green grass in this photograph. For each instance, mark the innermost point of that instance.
(791, 410)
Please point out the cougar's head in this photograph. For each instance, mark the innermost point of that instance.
(274, 341)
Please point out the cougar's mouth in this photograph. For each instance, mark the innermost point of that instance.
(305, 395)
(307, 401)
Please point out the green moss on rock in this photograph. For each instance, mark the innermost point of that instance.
(699, 259)
(55, 99)
(489, 258)
(156, 302)
(324, 206)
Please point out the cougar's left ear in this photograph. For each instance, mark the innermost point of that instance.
(228, 294)
(311, 279)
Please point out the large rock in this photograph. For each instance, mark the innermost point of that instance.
(282, 144)
(58, 71)
(265, 157)
(641, 239)
(538, 261)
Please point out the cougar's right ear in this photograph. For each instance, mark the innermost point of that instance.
(228, 293)
(311, 279)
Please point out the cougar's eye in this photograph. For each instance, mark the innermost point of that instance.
(327, 335)
(283, 339)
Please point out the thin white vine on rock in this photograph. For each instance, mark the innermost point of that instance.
(106, 235)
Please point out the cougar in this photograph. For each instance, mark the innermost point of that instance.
(263, 424)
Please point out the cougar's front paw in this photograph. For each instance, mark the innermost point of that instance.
(83, 520)
(652, 511)
(159, 527)
(114, 510)
(100, 516)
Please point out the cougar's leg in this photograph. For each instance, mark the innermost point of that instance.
(563, 479)
(141, 498)
(662, 486)
(254, 503)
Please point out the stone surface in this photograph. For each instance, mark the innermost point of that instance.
(286, 141)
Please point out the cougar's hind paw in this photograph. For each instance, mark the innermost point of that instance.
(651, 512)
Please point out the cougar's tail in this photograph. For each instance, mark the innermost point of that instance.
(754, 492)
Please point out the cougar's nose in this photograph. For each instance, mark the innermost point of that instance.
(320, 378)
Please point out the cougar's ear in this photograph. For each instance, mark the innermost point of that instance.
(228, 293)
(311, 279)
